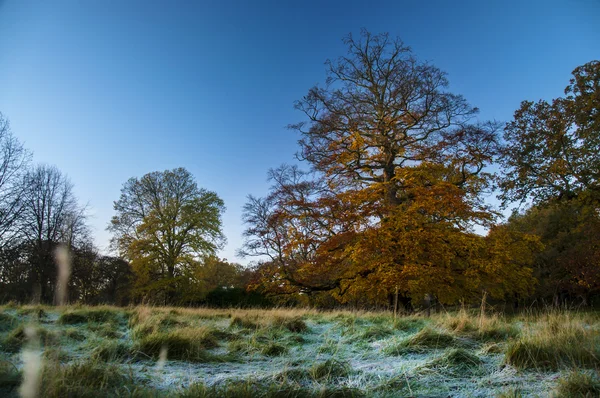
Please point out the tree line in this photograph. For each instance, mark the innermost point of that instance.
(391, 209)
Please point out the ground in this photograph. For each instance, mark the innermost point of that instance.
(157, 352)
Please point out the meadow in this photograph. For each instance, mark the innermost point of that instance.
(79, 351)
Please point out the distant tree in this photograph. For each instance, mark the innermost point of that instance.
(552, 149)
(51, 216)
(163, 225)
(14, 160)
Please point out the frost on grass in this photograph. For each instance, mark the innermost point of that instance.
(184, 352)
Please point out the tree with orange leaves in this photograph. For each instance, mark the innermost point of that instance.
(398, 172)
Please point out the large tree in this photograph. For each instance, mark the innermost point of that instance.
(398, 172)
(51, 216)
(552, 149)
(164, 224)
(14, 159)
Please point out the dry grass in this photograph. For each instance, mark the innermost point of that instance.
(555, 341)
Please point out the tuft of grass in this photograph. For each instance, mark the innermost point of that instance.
(85, 379)
(294, 325)
(510, 392)
(87, 316)
(74, 334)
(273, 350)
(185, 344)
(578, 384)
(10, 377)
(55, 354)
(375, 332)
(558, 342)
(243, 322)
(329, 369)
(7, 322)
(457, 360)
(493, 348)
(16, 338)
(408, 324)
(423, 340)
(107, 330)
(111, 350)
(256, 389)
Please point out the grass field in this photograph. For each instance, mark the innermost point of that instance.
(157, 352)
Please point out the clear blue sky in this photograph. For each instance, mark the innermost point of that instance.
(111, 89)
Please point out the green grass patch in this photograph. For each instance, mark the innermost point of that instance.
(578, 384)
(408, 324)
(86, 379)
(189, 344)
(111, 350)
(10, 377)
(15, 340)
(7, 322)
(256, 389)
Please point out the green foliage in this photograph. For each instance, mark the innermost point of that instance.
(163, 223)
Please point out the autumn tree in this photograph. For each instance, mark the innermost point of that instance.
(164, 224)
(398, 168)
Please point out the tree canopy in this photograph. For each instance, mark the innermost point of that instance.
(398, 170)
(164, 224)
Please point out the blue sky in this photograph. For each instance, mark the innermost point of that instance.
(108, 90)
